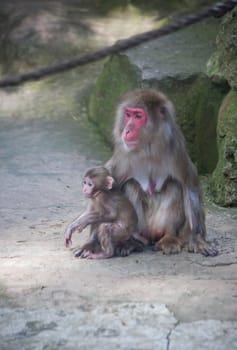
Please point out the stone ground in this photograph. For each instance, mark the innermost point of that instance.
(51, 300)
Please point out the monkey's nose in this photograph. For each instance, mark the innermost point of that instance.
(129, 129)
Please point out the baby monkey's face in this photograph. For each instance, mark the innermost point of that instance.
(88, 187)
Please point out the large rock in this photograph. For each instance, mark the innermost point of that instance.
(225, 174)
(175, 64)
(227, 48)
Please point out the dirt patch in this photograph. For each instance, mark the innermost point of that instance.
(51, 300)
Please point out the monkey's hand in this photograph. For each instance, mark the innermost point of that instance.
(68, 242)
(69, 231)
(77, 225)
(68, 236)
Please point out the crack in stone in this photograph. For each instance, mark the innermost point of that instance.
(217, 264)
(169, 334)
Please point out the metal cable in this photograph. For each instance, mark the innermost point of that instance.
(219, 8)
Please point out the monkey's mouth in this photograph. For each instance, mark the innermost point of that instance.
(132, 143)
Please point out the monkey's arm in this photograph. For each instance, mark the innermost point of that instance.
(88, 218)
(78, 225)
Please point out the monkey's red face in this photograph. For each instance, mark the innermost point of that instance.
(88, 187)
(134, 120)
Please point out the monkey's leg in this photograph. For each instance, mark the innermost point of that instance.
(136, 195)
(169, 244)
(168, 218)
(197, 239)
(92, 246)
(200, 245)
(130, 246)
(105, 238)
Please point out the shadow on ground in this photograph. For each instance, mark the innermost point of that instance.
(50, 300)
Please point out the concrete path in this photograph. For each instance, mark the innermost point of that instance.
(50, 301)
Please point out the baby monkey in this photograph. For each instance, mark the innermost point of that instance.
(112, 218)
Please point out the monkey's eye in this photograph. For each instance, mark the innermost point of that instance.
(138, 116)
(87, 183)
(127, 114)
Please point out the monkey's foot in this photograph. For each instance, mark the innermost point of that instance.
(129, 247)
(169, 245)
(81, 253)
(91, 247)
(199, 245)
(123, 250)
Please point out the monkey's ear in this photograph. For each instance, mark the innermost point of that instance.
(162, 112)
(167, 110)
(109, 182)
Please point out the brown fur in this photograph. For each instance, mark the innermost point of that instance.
(173, 216)
(112, 218)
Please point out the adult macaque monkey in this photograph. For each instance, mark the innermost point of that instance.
(151, 165)
(111, 215)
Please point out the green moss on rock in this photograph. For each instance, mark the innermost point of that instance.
(117, 77)
(227, 48)
(197, 101)
(208, 99)
(213, 70)
(225, 175)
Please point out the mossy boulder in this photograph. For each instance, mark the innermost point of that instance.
(213, 70)
(176, 65)
(227, 47)
(224, 178)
